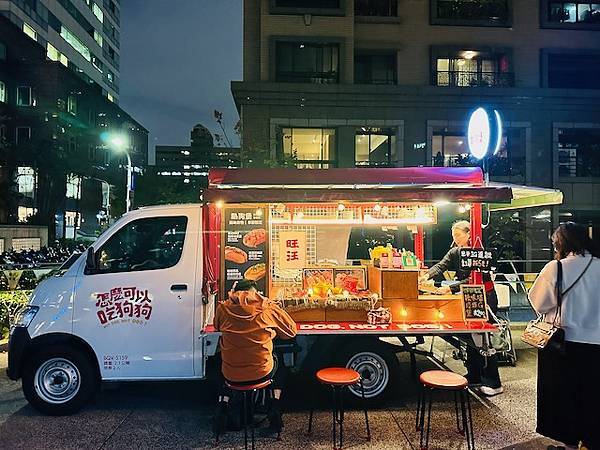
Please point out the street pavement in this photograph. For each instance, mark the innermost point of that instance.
(178, 415)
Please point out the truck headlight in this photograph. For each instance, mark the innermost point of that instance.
(26, 316)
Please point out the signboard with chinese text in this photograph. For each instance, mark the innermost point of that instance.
(292, 249)
(245, 246)
(481, 259)
(474, 302)
(123, 304)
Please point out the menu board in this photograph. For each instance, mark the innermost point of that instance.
(245, 246)
(474, 302)
(483, 260)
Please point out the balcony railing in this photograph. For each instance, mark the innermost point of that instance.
(495, 11)
(307, 77)
(497, 166)
(474, 79)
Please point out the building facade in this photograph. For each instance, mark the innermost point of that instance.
(83, 35)
(390, 83)
(192, 162)
(57, 165)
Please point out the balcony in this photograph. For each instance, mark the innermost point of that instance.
(473, 79)
(469, 12)
(498, 166)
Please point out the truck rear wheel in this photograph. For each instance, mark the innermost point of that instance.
(377, 365)
(59, 380)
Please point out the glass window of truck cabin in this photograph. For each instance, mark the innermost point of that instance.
(312, 148)
(144, 244)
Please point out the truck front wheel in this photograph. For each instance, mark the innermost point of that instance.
(59, 380)
(377, 365)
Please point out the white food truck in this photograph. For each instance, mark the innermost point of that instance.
(138, 305)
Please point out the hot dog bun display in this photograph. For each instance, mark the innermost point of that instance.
(256, 272)
(236, 255)
(255, 237)
(245, 245)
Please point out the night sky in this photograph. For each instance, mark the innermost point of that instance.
(177, 60)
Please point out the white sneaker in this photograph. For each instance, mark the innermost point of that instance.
(490, 392)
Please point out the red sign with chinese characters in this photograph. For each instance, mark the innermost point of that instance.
(292, 249)
(124, 304)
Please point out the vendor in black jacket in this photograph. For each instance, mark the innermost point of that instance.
(481, 370)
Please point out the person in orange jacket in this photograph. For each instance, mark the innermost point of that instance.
(248, 323)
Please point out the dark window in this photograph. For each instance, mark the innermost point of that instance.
(22, 135)
(379, 8)
(492, 12)
(24, 96)
(2, 51)
(473, 69)
(307, 3)
(449, 149)
(574, 71)
(375, 69)
(144, 244)
(578, 152)
(307, 62)
(375, 147)
(574, 12)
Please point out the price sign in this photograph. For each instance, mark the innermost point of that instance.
(481, 259)
(245, 246)
(474, 302)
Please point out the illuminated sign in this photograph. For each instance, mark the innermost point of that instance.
(484, 133)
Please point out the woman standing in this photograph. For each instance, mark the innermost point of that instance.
(481, 370)
(568, 396)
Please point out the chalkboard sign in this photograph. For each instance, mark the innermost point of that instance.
(474, 302)
(245, 246)
(481, 259)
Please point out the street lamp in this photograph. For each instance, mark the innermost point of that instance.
(119, 144)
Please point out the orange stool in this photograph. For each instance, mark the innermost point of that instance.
(443, 380)
(339, 378)
(246, 389)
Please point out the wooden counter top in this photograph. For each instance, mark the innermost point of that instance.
(438, 298)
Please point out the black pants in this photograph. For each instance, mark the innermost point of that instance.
(480, 369)
(278, 375)
(568, 395)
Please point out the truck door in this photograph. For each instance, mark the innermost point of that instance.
(136, 308)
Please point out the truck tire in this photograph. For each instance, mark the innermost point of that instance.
(378, 366)
(59, 380)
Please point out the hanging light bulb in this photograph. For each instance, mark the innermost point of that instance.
(462, 209)
(377, 207)
(341, 207)
(404, 312)
(440, 315)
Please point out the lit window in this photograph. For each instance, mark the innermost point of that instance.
(98, 12)
(110, 97)
(75, 43)
(375, 146)
(71, 224)
(24, 96)
(73, 186)
(110, 76)
(22, 135)
(24, 214)
(52, 53)
(29, 31)
(313, 148)
(2, 92)
(98, 38)
(26, 178)
(72, 104)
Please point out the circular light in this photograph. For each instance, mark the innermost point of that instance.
(341, 207)
(498, 131)
(478, 133)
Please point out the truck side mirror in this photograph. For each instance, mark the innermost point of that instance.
(90, 261)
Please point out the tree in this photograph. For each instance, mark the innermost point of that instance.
(254, 155)
(506, 233)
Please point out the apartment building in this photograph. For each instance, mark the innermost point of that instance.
(389, 83)
(83, 35)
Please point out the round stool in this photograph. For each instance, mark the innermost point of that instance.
(247, 389)
(443, 380)
(339, 378)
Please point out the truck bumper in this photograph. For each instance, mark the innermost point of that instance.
(17, 344)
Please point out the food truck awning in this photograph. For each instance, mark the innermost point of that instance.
(410, 184)
(528, 197)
